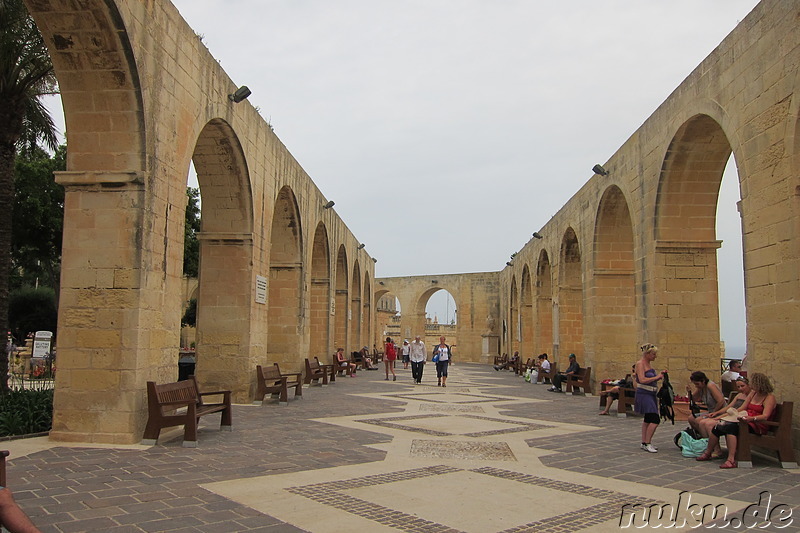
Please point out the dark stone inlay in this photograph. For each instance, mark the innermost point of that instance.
(442, 392)
(392, 424)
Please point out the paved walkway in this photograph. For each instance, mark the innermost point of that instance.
(489, 453)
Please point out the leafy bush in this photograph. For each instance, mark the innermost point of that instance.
(26, 411)
(32, 309)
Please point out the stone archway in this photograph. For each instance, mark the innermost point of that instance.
(526, 345)
(570, 298)
(544, 306)
(613, 294)
(320, 297)
(354, 311)
(226, 249)
(285, 282)
(340, 301)
(514, 326)
(686, 304)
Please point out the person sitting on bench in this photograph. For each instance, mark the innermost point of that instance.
(511, 363)
(559, 378)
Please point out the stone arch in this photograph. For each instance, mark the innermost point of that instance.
(431, 331)
(613, 299)
(226, 248)
(340, 300)
(99, 83)
(570, 298)
(367, 313)
(685, 270)
(320, 293)
(514, 326)
(526, 313)
(285, 281)
(544, 305)
(354, 313)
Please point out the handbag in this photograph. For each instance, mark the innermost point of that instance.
(435, 358)
(690, 447)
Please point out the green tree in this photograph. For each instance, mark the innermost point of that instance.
(38, 219)
(32, 310)
(26, 74)
(191, 245)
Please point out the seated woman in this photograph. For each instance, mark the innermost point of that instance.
(708, 422)
(759, 405)
(349, 368)
(613, 393)
(709, 395)
(366, 360)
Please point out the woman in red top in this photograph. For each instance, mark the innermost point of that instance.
(759, 405)
(389, 355)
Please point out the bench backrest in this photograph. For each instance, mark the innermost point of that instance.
(783, 416)
(312, 365)
(270, 373)
(172, 392)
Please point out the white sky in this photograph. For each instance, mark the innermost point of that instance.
(447, 131)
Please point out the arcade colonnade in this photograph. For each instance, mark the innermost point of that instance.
(281, 277)
(632, 256)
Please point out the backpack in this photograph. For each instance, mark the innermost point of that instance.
(689, 445)
(665, 397)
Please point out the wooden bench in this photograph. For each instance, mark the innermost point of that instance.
(316, 371)
(3, 455)
(165, 409)
(343, 370)
(271, 380)
(523, 367)
(627, 397)
(582, 379)
(500, 359)
(778, 438)
(547, 374)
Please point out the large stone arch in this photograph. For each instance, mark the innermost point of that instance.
(340, 300)
(569, 338)
(613, 294)
(226, 255)
(320, 293)
(544, 305)
(685, 300)
(285, 282)
(354, 311)
(514, 325)
(526, 314)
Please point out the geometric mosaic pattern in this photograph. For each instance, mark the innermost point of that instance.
(334, 494)
(444, 408)
(470, 451)
(395, 423)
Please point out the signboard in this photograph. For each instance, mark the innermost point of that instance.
(261, 290)
(41, 343)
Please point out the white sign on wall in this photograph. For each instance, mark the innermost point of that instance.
(261, 290)
(333, 307)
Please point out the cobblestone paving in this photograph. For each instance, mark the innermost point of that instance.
(153, 489)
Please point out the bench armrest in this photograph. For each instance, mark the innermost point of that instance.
(215, 392)
(288, 374)
(177, 402)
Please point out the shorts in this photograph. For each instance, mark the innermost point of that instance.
(652, 418)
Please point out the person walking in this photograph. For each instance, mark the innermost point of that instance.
(389, 355)
(646, 402)
(441, 354)
(417, 357)
(404, 351)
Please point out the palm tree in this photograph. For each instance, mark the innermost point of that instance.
(26, 74)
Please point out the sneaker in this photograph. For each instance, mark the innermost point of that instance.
(649, 448)
(551, 389)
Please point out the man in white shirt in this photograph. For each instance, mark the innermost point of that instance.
(732, 374)
(543, 364)
(416, 354)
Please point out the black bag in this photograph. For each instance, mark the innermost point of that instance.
(665, 397)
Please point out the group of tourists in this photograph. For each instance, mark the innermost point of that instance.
(415, 353)
(754, 403)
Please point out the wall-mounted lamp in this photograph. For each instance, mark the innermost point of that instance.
(598, 169)
(537, 235)
(361, 246)
(434, 281)
(382, 283)
(329, 205)
(374, 260)
(509, 263)
(241, 94)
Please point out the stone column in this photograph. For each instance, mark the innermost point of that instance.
(111, 336)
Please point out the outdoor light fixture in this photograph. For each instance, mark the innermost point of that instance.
(329, 205)
(434, 281)
(537, 235)
(374, 260)
(598, 169)
(361, 246)
(382, 283)
(509, 263)
(241, 94)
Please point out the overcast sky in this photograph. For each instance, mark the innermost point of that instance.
(447, 131)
